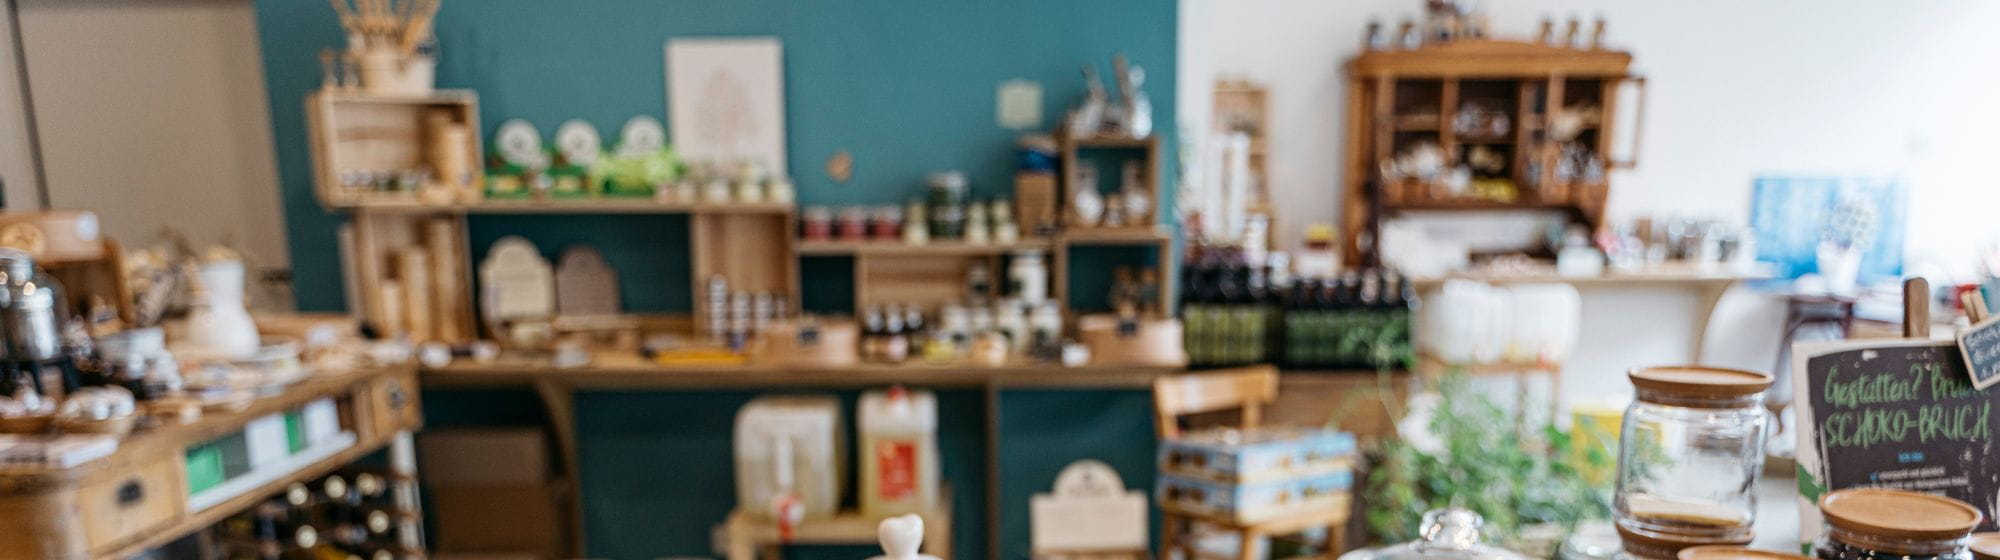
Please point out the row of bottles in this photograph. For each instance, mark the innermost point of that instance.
(1238, 311)
(349, 516)
(1360, 320)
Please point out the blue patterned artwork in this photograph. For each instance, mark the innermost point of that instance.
(1794, 215)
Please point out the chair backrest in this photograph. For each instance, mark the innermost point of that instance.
(1246, 389)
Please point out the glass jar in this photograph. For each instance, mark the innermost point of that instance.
(1447, 534)
(1984, 546)
(947, 205)
(886, 224)
(1730, 552)
(1885, 524)
(1688, 459)
(816, 223)
(853, 224)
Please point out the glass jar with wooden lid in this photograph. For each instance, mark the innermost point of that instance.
(1984, 546)
(1733, 552)
(1689, 455)
(1885, 524)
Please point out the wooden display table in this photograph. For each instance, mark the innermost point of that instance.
(139, 497)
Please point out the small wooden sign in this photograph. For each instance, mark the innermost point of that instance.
(1089, 511)
(585, 283)
(515, 282)
(1980, 346)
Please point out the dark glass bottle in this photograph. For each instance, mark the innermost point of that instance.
(1300, 307)
(1257, 320)
(1229, 338)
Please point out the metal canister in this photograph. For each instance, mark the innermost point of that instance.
(33, 322)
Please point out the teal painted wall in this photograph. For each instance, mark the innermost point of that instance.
(906, 86)
(657, 469)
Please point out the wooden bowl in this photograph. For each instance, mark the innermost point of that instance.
(26, 424)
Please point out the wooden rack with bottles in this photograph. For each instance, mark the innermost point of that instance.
(150, 490)
(1532, 122)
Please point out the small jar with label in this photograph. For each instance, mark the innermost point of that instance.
(1885, 524)
(853, 224)
(816, 223)
(886, 224)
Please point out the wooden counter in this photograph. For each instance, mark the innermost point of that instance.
(1305, 397)
(138, 498)
(627, 371)
(1707, 283)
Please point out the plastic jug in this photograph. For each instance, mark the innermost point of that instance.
(790, 457)
(899, 457)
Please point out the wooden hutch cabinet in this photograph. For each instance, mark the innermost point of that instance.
(1532, 122)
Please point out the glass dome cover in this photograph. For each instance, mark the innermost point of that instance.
(1448, 534)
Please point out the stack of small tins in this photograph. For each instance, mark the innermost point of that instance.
(348, 515)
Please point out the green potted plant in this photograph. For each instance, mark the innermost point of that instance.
(1460, 449)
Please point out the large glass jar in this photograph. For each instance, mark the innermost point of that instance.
(1688, 459)
(1885, 524)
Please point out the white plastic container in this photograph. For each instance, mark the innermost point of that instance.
(1545, 323)
(790, 450)
(899, 456)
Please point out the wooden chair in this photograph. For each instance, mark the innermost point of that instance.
(1245, 390)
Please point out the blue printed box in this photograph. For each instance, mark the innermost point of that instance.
(1249, 456)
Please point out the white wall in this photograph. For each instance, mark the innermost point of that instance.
(1738, 89)
(16, 156)
(152, 113)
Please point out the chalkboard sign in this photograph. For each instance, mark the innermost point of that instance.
(1980, 345)
(1895, 414)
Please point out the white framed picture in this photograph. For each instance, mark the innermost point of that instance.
(726, 99)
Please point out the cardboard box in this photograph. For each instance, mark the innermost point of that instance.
(494, 519)
(483, 457)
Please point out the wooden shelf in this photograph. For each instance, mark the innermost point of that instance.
(438, 97)
(1115, 236)
(1684, 274)
(1415, 123)
(933, 249)
(621, 206)
(748, 535)
(1477, 204)
(632, 371)
(1101, 142)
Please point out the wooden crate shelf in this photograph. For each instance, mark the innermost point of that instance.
(355, 132)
